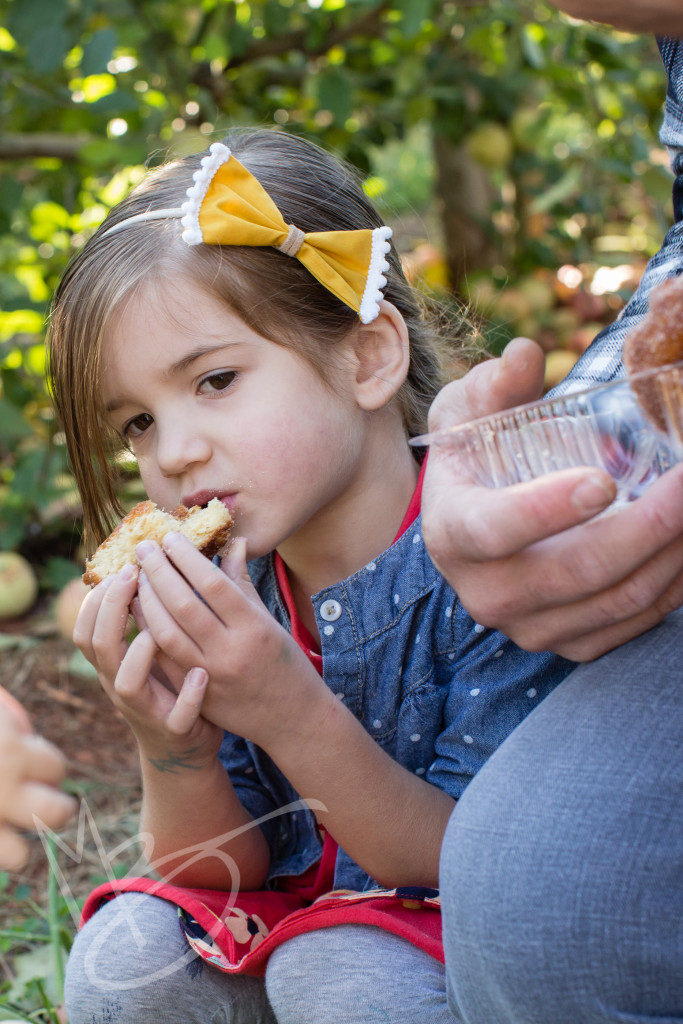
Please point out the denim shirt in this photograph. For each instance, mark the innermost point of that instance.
(602, 360)
(436, 690)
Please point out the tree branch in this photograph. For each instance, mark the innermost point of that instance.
(36, 144)
(370, 23)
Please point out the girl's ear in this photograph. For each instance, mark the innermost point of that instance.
(381, 352)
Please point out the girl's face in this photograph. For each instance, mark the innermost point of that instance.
(210, 408)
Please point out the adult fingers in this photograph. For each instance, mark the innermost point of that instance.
(607, 551)
(579, 583)
(590, 627)
(496, 384)
(465, 522)
(188, 705)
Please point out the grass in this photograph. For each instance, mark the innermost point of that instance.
(36, 937)
(33, 949)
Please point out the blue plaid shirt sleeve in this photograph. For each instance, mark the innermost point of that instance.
(602, 360)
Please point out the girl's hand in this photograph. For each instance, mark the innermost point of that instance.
(260, 680)
(161, 703)
(31, 769)
(263, 687)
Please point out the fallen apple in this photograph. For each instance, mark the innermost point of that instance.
(18, 585)
(68, 605)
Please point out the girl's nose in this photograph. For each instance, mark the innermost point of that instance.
(181, 444)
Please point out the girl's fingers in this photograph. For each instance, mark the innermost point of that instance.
(234, 564)
(108, 644)
(168, 672)
(136, 609)
(223, 591)
(173, 613)
(131, 679)
(87, 615)
(188, 705)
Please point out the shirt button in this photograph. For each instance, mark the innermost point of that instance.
(330, 611)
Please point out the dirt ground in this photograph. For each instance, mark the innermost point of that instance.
(73, 712)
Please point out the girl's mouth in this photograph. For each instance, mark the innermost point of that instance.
(202, 498)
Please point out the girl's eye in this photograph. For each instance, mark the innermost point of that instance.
(220, 381)
(136, 427)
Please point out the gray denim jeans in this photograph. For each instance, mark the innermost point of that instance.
(562, 866)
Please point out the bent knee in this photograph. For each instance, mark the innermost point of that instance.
(358, 974)
(126, 961)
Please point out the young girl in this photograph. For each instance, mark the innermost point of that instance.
(247, 331)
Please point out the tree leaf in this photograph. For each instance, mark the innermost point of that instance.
(13, 424)
(333, 92)
(98, 51)
(47, 48)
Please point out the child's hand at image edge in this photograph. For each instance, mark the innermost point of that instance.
(31, 769)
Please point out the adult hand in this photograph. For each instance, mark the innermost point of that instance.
(665, 17)
(526, 559)
(30, 772)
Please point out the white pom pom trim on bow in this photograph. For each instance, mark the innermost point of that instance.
(218, 155)
(375, 281)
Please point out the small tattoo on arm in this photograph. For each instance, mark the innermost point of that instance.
(175, 762)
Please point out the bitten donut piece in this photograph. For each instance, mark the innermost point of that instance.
(206, 527)
(656, 341)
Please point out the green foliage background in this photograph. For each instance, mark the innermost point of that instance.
(508, 136)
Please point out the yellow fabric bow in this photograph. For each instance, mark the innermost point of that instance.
(228, 206)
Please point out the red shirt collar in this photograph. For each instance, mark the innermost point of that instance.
(303, 637)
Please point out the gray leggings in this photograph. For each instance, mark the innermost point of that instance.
(130, 963)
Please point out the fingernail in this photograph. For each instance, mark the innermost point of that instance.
(198, 677)
(591, 495)
(144, 548)
(128, 572)
(107, 581)
(507, 351)
(170, 539)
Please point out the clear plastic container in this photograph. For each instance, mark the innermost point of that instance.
(604, 426)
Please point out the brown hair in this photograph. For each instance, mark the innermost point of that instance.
(273, 293)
